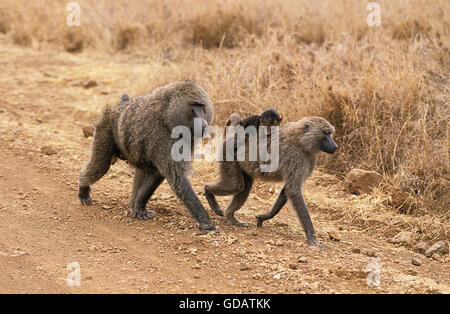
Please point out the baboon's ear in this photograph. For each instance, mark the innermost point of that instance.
(306, 128)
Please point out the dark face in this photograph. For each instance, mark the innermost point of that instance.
(270, 118)
(327, 144)
(198, 111)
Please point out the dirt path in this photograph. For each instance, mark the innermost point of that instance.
(43, 227)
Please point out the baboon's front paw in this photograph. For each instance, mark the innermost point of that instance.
(260, 221)
(315, 243)
(84, 195)
(85, 200)
(142, 214)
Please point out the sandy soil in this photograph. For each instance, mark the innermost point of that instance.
(43, 227)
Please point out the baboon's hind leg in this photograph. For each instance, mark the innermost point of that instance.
(102, 150)
(92, 171)
(231, 182)
(237, 202)
(150, 182)
(279, 203)
(212, 201)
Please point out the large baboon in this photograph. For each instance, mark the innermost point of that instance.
(299, 144)
(139, 130)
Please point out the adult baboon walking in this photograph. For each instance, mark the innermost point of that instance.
(139, 130)
(299, 144)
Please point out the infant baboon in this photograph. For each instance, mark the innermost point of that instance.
(299, 144)
(268, 118)
(140, 129)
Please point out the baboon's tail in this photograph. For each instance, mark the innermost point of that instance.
(102, 150)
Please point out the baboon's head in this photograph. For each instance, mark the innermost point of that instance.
(317, 135)
(270, 118)
(233, 120)
(187, 102)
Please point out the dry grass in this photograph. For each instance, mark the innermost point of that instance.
(386, 89)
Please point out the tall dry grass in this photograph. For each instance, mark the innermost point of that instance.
(386, 89)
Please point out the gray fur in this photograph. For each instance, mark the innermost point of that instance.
(300, 142)
(139, 129)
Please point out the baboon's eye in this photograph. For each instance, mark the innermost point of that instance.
(198, 107)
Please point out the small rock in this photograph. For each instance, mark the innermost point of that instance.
(411, 272)
(293, 266)
(362, 181)
(48, 150)
(164, 196)
(356, 250)
(421, 247)
(192, 250)
(440, 248)
(334, 235)
(370, 253)
(88, 131)
(89, 84)
(302, 259)
(322, 234)
(243, 267)
(257, 276)
(404, 238)
(416, 261)
(106, 207)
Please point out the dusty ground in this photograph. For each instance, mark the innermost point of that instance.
(43, 227)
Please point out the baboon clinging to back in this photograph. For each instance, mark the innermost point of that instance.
(299, 144)
(139, 129)
(268, 118)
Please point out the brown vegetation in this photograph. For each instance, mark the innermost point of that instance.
(386, 89)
